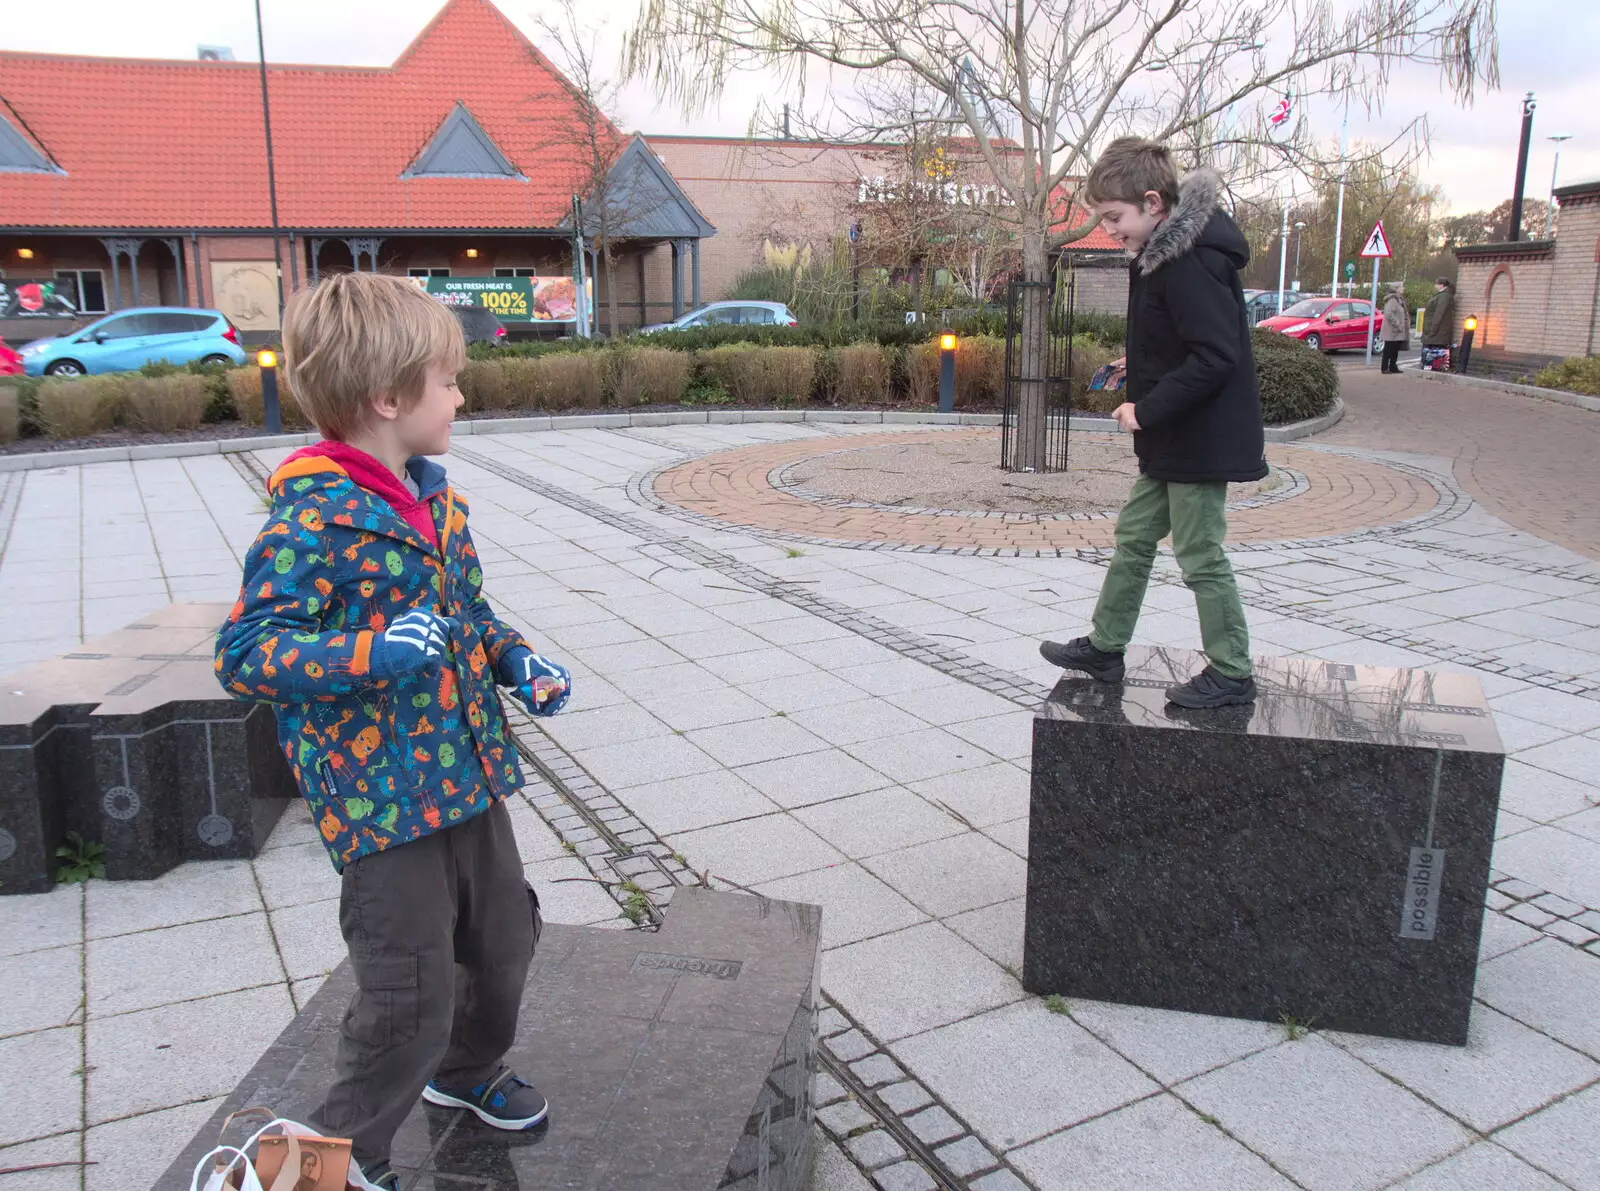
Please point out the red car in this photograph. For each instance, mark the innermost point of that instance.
(1330, 324)
(10, 361)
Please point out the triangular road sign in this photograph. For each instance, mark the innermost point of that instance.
(1377, 243)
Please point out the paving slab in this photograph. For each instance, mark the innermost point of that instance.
(1504, 1072)
(1482, 1167)
(1563, 1140)
(915, 980)
(1551, 987)
(1324, 1118)
(1157, 1142)
(1020, 1072)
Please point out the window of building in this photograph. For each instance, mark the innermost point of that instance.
(427, 272)
(518, 271)
(85, 288)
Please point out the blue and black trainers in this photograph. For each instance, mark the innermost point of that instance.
(504, 1100)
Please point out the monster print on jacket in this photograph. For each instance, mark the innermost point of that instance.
(380, 762)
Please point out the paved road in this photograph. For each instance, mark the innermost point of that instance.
(1534, 463)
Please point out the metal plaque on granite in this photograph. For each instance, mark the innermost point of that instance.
(658, 1077)
(1285, 859)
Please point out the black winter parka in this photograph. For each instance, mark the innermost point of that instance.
(1191, 375)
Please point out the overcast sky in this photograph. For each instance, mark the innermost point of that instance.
(1547, 46)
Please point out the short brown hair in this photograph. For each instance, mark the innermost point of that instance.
(1128, 168)
(355, 336)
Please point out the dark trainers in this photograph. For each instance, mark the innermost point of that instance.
(1079, 654)
(374, 1176)
(503, 1100)
(1211, 688)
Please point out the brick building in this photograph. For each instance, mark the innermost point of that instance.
(809, 193)
(130, 182)
(1537, 300)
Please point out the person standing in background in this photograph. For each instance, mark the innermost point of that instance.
(1395, 331)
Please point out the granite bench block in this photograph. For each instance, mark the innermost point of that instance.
(677, 1060)
(129, 740)
(1323, 854)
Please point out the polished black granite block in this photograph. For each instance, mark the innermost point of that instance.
(679, 1060)
(129, 740)
(1322, 855)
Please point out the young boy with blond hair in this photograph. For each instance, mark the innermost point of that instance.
(362, 619)
(1192, 405)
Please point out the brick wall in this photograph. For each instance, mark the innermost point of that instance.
(1102, 286)
(1532, 301)
(788, 191)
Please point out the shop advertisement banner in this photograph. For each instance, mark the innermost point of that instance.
(21, 298)
(510, 299)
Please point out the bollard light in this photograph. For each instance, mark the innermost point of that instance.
(1469, 327)
(947, 373)
(267, 361)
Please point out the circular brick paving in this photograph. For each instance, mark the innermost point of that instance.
(1334, 495)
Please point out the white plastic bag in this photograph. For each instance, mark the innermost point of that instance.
(288, 1175)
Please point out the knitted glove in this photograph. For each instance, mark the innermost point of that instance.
(540, 685)
(412, 643)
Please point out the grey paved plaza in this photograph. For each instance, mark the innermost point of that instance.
(849, 727)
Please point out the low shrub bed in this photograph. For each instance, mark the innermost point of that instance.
(1296, 382)
(1579, 374)
(574, 375)
(10, 412)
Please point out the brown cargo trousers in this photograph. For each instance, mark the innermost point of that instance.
(441, 931)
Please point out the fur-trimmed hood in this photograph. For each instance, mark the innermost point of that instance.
(1192, 223)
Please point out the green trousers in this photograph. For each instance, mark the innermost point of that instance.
(1196, 517)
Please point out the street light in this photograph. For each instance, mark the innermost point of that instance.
(1298, 228)
(272, 169)
(267, 361)
(1550, 211)
(1469, 327)
(947, 373)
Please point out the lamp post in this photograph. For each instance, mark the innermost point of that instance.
(1528, 106)
(947, 373)
(1299, 227)
(272, 175)
(1550, 211)
(1469, 327)
(267, 361)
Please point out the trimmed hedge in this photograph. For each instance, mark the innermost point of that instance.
(10, 412)
(244, 386)
(1296, 382)
(1579, 374)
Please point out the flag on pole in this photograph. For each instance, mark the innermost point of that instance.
(1279, 116)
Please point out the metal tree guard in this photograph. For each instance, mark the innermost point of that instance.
(1055, 376)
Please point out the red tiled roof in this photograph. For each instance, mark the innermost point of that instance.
(178, 144)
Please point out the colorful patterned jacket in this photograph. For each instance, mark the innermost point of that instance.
(381, 763)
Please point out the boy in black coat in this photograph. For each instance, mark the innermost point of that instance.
(1193, 408)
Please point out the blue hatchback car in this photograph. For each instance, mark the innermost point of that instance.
(129, 339)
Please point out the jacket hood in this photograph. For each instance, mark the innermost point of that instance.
(1194, 223)
(331, 464)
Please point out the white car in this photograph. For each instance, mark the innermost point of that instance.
(732, 313)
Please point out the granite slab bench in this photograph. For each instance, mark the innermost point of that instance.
(677, 1060)
(130, 741)
(1322, 855)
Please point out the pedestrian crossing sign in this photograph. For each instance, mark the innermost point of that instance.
(1377, 243)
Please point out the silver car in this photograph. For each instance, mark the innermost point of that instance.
(732, 313)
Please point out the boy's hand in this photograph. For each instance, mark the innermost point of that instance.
(1125, 416)
(412, 643)
(541, 685)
